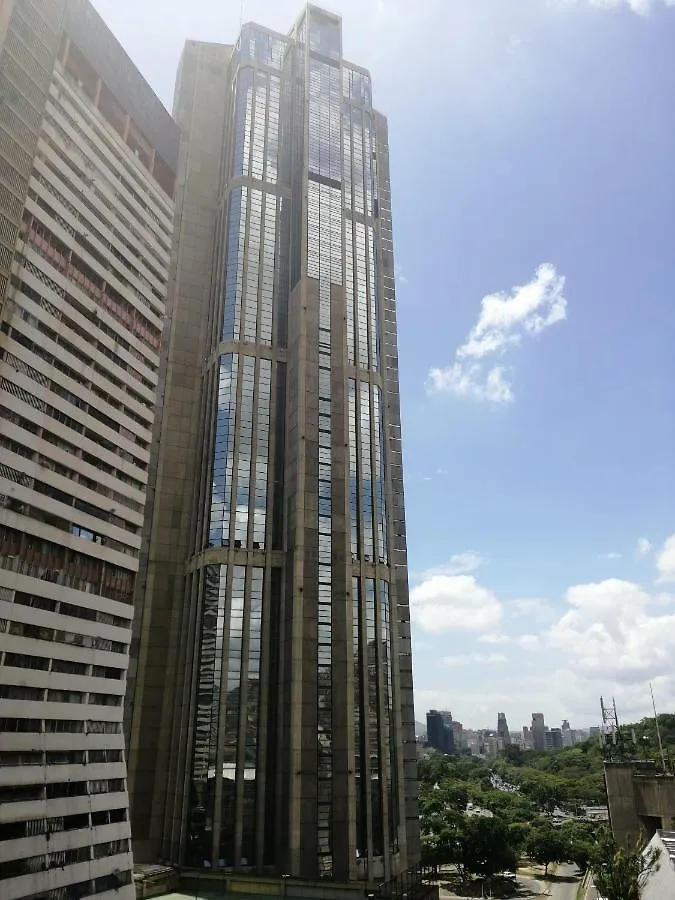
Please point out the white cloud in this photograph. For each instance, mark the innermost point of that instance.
(611, 633)
(610, 555)
(503, 322)
(458, 564)
(529, 641)
(483, 659)
(449, 603)
(665, 561)
(644, 548)
(468, 381)
(495, 639)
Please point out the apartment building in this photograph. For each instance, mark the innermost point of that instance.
(87, 162)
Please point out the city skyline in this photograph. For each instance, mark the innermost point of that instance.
(471, 726)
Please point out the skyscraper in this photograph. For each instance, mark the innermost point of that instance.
(538, 732)
(271, 720)
(503, 729)
(87, 162)
(440, 734)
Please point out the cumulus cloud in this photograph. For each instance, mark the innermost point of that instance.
(495, 639)
(458, 564)
(644, 548)
(610, 555)
(665, 561)
(448, 603)
(612, 632)
(504, 321)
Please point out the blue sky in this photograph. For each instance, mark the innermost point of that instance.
(533, 164)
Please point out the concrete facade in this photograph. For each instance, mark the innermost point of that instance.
(640, 801)
(271, 716)
(86, 216)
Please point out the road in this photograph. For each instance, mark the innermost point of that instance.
(562, 887)
(564, 884)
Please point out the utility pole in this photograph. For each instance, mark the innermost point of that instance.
(658, 730)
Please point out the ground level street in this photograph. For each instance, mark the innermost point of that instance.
(564, 883)
(562, 886)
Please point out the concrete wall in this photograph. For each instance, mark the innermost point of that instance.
(639, 802)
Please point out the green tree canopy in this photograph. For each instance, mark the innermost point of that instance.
(485, 847)
(546, 845)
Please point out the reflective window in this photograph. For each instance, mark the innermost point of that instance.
(325, 105)
(353, 472)
(261, 462)
(356, 86)
(360, 770)
(205, 740)
(223, 451)
(263, 47)
(324, 34)
(388, 725)
(379, 476)
(234, 271)
(244, 451)
(372, 691)
(229, 731)
(243, 116)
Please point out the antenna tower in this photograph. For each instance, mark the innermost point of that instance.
(610, 718)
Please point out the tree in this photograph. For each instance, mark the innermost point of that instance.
(580, 839)
(509, 807)
(485, 847)
(519, 834)
(454, 795)
(546, 845)
(547, 791)
(514, 754)
(621, 874)
(438, 848)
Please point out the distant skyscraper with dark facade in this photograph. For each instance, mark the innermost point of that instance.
(440, 734)
(270, 713)
(503, 729)
(538, 732)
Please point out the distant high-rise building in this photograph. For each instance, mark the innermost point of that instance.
(270, 701)
(527, 738)
(439, 730)
(503, 729)
(553, 739)
(568, 735)
(87, 161)
(457, 736)
(538, 732)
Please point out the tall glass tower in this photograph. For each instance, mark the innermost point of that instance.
(270, 710)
